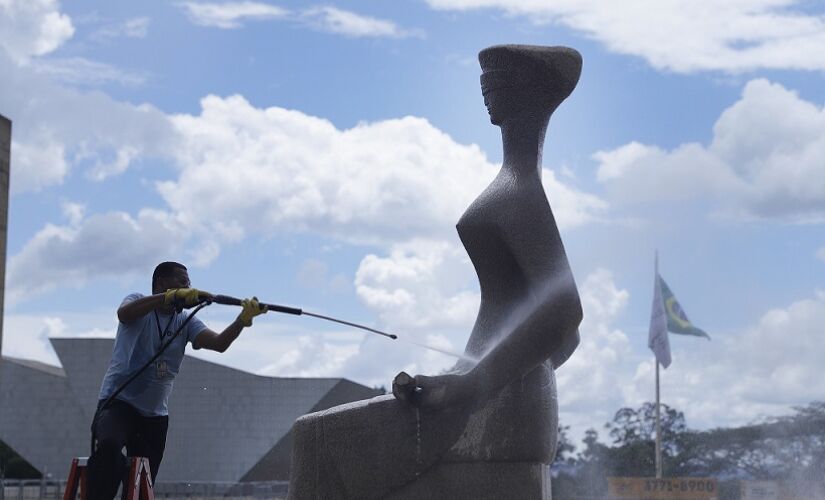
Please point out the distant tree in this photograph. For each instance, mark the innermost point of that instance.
(564, 448)
(634, 438)
(631, 426)
(790, 447)
(787, 447)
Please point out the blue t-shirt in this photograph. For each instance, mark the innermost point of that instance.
(135, 344)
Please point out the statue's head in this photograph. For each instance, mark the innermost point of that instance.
(519, 78)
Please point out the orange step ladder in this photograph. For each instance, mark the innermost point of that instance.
(138, 484)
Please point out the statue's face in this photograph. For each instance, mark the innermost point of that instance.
(495, 87)
(507, 95)
(494, 108)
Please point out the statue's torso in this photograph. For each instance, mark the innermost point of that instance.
(520, 422)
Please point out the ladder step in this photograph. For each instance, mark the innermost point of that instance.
(139, 482)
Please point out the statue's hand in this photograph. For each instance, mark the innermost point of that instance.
(440, 390)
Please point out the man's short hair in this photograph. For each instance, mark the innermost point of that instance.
(165, 270)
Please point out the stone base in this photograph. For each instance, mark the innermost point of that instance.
(479, 481)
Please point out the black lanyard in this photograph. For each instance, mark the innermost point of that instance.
(163, 333)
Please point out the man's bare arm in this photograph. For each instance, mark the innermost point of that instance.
(136, 309)
(219, 342)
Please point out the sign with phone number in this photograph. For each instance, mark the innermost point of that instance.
(672, 488)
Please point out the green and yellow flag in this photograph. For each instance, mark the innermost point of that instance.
(677, 320)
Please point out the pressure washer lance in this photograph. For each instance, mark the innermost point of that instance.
(232, 301)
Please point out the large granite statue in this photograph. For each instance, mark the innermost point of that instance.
(487, 429)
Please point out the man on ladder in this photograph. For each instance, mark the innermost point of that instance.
(151, 338)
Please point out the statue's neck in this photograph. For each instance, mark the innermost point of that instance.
(523, 142)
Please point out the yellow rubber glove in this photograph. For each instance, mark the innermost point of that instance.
(251, 308)
(189, 296)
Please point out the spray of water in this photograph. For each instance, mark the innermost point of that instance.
(516, 316)
(552, 289)
(441, 350)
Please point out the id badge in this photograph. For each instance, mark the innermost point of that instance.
(161, 369)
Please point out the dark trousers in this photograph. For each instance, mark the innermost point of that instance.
(116, 426)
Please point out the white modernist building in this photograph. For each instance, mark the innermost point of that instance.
(225, 425)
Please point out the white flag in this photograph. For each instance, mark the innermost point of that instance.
(657, 338)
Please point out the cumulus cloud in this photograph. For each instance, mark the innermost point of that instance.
(111, 244)
(766, 367)
(230, 15)
(38, 163)
(343, 22)
(684, 35)
(30, 28)
(26, 336)
(311, 356)
(597, 379)
(50, 141)
(421, 286)
(123, 158)
(765, 160)
(761, 369)
(273, 169)
(263, 170)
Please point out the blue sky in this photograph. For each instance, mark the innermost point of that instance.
(319, 155)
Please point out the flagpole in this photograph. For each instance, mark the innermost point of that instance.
(658, 427)
(658, 456)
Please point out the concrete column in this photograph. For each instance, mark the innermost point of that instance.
(5, 157)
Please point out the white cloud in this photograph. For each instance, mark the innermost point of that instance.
(230, 15)
(123, 158)
(109, 245)
(765, 160)
(597, 379)
(37, 164)
(342, 22)
(27, 336)
(74, 212)
(311, 356)
(421, 286)
(426, 292)
(32, 28)
(137, 27)
(267, 170)
(762, 370)
(50, 140)
(684, 35)
(80, 71)
(263, 170)
(820, 254)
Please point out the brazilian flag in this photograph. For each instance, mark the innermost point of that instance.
(677, 320)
